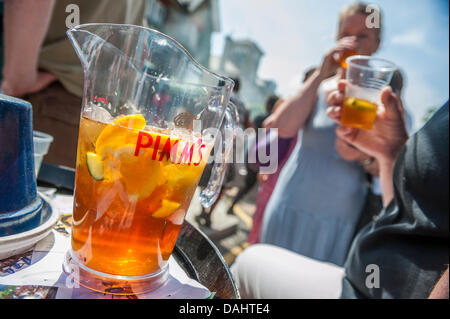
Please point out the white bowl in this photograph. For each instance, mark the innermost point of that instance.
(21, 242)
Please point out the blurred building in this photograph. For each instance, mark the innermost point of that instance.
(190, 22)
(241, 58)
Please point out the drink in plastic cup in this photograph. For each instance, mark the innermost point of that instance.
(366, 77)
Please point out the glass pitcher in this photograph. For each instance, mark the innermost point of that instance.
(150, 117)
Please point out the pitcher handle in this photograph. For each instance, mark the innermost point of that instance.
(227, 134)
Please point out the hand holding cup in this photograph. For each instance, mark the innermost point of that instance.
(388, 133)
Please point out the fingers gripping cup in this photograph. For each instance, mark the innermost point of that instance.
(144, 140)
(366, 77)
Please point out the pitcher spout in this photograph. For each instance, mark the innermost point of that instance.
(93, 45)
(78, 38)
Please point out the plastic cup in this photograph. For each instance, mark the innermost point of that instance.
(367, 77)
(41, 143)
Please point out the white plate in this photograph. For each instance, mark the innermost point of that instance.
(19, 243)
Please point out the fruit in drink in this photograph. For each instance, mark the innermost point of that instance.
(358, 113)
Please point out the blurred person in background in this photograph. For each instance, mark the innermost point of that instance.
(320, 194)
(238, 167)
(243, 113)
(204, 218)
(41, 66)
(251, 169)
(268, 182)
(260, 118)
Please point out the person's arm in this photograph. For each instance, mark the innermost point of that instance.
(440, 291)
(386, 180)
(293, 113)
(25, 26)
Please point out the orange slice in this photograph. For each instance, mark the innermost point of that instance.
(167, 208)
(122, 131)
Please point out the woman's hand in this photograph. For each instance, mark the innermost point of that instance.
(332, 60)
(388, 134)
(270, 121)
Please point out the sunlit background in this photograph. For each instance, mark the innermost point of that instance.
(269, 44)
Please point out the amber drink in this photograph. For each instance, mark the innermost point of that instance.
(358, 113)
(366, 78)
(344, 57)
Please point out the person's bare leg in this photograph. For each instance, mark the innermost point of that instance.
(270, 272)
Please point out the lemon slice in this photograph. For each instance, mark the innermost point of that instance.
(359, 104)
(136, 121)
(365, 105)
(139, 174)
(167, 208)
(94, 165)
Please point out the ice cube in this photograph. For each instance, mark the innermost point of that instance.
(182, 133)
(97, 113)
(177, 218)
(130, 108)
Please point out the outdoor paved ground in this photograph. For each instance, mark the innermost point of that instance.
(228, 232)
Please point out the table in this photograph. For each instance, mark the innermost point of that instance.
(195, 253)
